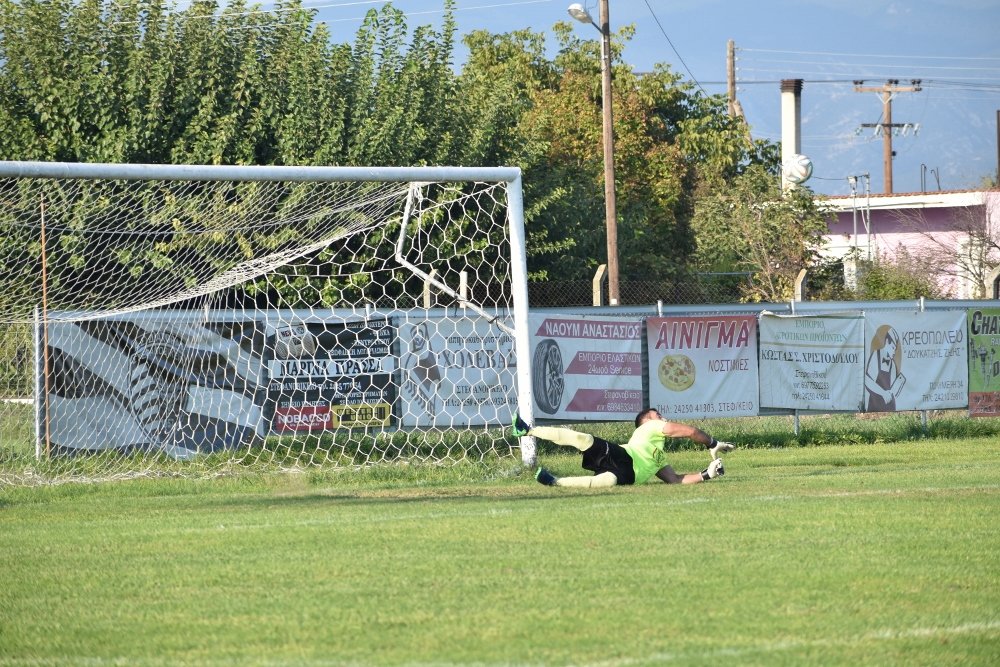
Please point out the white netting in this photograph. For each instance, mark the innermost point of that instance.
(154, 326)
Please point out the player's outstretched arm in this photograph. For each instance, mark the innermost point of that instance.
(715, 447)
(714, 469)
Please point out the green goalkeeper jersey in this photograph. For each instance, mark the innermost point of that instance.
(646, 449)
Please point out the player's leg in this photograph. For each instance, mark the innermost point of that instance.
(601, 480)
(554, 434)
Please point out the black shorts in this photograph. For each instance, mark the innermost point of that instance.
(604, 456)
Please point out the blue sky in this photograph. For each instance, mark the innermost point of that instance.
(953, 46)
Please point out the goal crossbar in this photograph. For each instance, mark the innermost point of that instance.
(183, 172)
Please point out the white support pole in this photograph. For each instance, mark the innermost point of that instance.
(522, 339)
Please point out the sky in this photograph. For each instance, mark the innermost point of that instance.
(951, 46)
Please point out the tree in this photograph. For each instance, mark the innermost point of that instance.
(668, 138)
(137, 81)
(752, 226)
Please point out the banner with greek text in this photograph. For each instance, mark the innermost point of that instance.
(329, 374)
(984, 362)
(703, 366)
(586, 367)
(812, 362)
(456, 372)
(915, 361)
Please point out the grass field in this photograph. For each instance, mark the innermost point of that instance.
(868, 554)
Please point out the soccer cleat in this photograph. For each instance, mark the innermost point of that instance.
(519, 427)
(545, 477)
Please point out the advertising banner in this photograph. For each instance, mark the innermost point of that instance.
(586, 367)
(984, 362)
(168, 382)
(703, 366)
(915, 361)
(811, 362)
(329, 375)
(456, 372)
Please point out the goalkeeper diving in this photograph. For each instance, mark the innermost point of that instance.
(632, 463)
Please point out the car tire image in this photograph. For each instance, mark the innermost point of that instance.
(547, 380)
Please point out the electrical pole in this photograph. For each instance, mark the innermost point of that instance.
(735, 108)
(731, 76)
(886, 93)
(610, 212)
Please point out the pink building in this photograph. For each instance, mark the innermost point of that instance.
(955, 236)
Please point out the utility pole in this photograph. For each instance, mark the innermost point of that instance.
(608, 131)
(731, 76)
(886, 92)
(580, 13)
(735, 108)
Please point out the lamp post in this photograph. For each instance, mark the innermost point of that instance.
(580, 13)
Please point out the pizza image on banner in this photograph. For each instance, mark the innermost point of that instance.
(676, 372)
(586, 367)
(703, 366)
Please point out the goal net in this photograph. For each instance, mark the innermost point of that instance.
(196, 320)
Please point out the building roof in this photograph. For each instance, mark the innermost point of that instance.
(897, 200)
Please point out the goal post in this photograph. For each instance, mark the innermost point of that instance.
(196, 317)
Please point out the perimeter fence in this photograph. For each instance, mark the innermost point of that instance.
(703, 288)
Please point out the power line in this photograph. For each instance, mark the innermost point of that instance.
(672, 47)
(869, 55)
(878, 65)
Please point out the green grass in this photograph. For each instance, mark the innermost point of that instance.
(870, 554)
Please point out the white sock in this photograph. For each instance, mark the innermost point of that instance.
(604, 480)
(563, 436)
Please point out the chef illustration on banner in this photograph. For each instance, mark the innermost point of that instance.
(586, 367)
(883, 377)
(915, 361)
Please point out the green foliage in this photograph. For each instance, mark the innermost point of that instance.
(891, 281)
(882, 280)
(752, 225)
(142, 81)
(139, 81)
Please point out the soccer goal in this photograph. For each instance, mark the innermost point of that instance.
(161, 319)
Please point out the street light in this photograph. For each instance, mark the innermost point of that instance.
(580, 13)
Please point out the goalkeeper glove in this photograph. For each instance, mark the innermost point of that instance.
(713, 470)
(716, 447)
